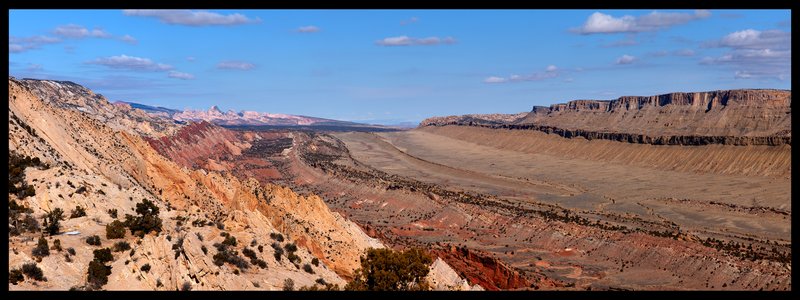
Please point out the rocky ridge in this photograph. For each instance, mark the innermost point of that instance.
(99, 163)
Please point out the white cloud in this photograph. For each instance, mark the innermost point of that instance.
(410, 41)
(235, 65)
(550, 71)
(190, 58)
(190, 17)
(78, 32)
(742, 75)
(129, 39)
(16, 48)
(625, 59)
(754, 54)
(308, 29)
(22, 44)
(602, 23)
(494, 79)
(180, 75)
(754, 39)
(409, 21)
(130, 63)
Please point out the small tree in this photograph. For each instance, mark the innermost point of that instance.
(386, 270)
(97, 274)
(288, 284)
(52, 219)
(41, 249)
(77, 212)
(115, 230)
(57, 245)
(15, 276)
(308, 269)
(33, 271)
(146, 221)
(121, 246)
(103, 255)
(93, 240)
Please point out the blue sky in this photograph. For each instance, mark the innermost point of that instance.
(390, 66)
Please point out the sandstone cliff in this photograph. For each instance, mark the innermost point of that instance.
(730, 117)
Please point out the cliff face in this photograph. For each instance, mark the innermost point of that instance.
(730, 117)
(718, 113)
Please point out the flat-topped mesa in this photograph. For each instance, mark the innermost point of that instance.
(707, 100)
(731, 117)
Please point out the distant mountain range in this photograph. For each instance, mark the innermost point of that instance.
(245, 118)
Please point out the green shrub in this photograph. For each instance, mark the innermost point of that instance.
(315, 261)
(33, 271)
(260, 263)
(293, 257)
(249, 253)
(121, 246)
(308, 269)
(93, 240)
(15, 276)
(115, 230)
(52, 219)
(387, 270)
(276, 236)
(41, 249)
(77, 212)
(57, 245)
(97, 275)
(103, 255)
(288, 284)
(145, 268)
(112, 213)
(146, 221)
(225, 255)
(229, 240)
(278, 251)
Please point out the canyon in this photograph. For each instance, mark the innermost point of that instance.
(684, 191)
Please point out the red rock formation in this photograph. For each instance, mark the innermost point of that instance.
(193, 144)
(480, 268)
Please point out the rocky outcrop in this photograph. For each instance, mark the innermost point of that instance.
(482, 269)
(730, 117)
(481, 119)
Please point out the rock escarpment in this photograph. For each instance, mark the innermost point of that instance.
(728, 117)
